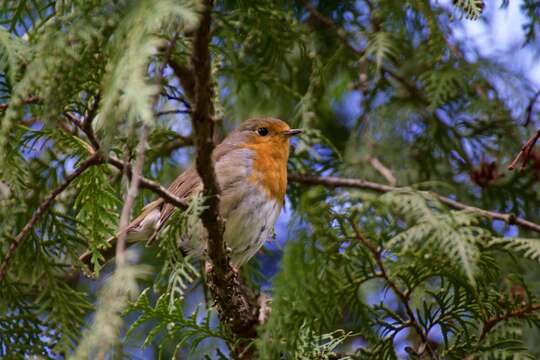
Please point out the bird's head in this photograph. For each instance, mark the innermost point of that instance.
(264, 131)
(268, 140)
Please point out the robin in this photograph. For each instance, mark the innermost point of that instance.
(251, 169)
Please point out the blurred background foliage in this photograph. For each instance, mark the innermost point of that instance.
(396, 92)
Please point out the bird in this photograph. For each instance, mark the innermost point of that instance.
(251, 170)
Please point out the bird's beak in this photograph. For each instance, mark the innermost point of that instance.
(291, 132)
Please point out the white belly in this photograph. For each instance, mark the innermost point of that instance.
(250, 220)
(250, 225)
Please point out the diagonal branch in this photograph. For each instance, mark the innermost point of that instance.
(530, 108)
(45, 205)
(382, 169)
(130, 199)
(235, 308)
(331, 181)
(520, 312)
(525, 151)
(28, 100)
(402, 295)
(151, 185)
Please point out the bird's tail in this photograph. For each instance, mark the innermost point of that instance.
(140, 229)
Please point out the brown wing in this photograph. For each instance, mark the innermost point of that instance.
(184, 186)
(187, 185)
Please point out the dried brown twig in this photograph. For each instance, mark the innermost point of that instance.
(525, 152)
(516, 313)
(28, 100)
(530, 108)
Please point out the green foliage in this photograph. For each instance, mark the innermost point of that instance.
(471, 8)
(323, 347)
(22, 334)
(442, 270)
(379, 88)
(431, 228)
(13, 53)
(103, 332)
(96, 204)
(172, 325)
(126, 89)
(381, 47)
(442, 85)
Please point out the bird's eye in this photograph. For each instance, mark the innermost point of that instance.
(262, 131)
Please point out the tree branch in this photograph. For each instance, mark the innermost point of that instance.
(331, 181)
(174, 111)
(383, 170)
(516, 313)
(45, 205)
(402, 296)
(29, 100)
(151, 185)
(525, 151)
(235, 308)
(530, 108)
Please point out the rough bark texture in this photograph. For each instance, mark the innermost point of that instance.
(236, 307)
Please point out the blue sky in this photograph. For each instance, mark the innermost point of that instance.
(501, 36)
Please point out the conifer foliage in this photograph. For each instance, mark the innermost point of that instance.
(405, 235)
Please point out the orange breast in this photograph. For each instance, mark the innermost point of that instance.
(270, 168)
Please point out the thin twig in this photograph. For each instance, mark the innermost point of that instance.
(403, 297)
(45, 205)
(29, 100)
(174, 111)
(530, 108)
(87, 123)
(383, 170)
(181, 99)
(525, 151)
(516, 313)
(331, 181)
(151, 185)
(130, 199)
(175, 143)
